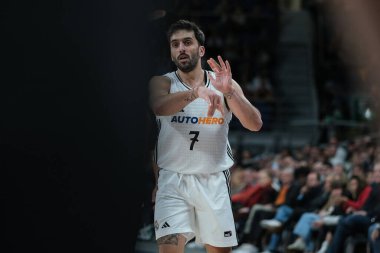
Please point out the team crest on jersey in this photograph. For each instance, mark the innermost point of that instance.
(156, 226)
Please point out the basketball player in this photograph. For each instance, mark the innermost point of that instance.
(193, 107)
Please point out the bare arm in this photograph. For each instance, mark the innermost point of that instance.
(164, 103)
(248, 115)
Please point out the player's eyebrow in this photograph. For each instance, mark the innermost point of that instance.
(186, 38)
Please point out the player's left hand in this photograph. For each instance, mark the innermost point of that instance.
(223, 75)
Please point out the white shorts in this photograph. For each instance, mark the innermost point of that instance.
(195, 205)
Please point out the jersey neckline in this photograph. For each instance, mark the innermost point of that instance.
(187, 86)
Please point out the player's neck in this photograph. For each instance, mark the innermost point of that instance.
(193, 78)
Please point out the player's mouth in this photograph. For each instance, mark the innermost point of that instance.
(183, 57)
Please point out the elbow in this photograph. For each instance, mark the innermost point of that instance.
(161, 111)
(255, 126)
(157, 110)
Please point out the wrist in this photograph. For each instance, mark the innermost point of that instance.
(193, 95)
(229, 95)
(195, 92)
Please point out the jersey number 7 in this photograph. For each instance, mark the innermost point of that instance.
(194, 139)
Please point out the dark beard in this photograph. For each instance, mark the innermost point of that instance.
(189, 66)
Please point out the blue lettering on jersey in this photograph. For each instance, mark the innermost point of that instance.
(196, 120)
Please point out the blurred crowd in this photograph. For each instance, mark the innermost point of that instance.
(311, 199)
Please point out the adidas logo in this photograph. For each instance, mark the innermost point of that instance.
(166, 225)
(227, 233)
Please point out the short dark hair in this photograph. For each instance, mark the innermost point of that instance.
(183, 24)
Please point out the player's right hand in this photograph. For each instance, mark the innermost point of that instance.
(213, 99)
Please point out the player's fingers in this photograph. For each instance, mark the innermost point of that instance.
(212, 107)
(211, 110)
(213, 66)
(228, 67)
(222, 62)
(216, 64)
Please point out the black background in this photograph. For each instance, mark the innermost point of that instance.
(74, 133)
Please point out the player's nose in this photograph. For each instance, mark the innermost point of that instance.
(182, 47)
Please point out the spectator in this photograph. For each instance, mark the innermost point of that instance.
(237, 179)
(330, 212)
(251, 239)
(358, 192)
(374, 238)
(359, 221)
(261, 193)
(288, 213)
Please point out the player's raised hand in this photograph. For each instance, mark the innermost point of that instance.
(223, 75)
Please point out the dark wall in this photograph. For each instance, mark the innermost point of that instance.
(73, 130)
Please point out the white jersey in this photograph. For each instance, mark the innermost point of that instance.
(189, 142)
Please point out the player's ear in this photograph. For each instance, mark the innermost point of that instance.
(202, 51)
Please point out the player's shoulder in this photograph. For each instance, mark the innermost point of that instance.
(161, 80)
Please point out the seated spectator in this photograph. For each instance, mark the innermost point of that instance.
(359, 221)
(245, 177)
(357, 194)
(330, 212)
(358, 170)
(285, 214)
(260, 193)
(354, 197)
(246, 157)
(337, 152)
(339, 172)
(251, 239)
(237, 179)
(322, 168)
(374, 238)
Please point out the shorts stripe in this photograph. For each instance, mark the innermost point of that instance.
(229, 152)
(155, 158)
(227, 175)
